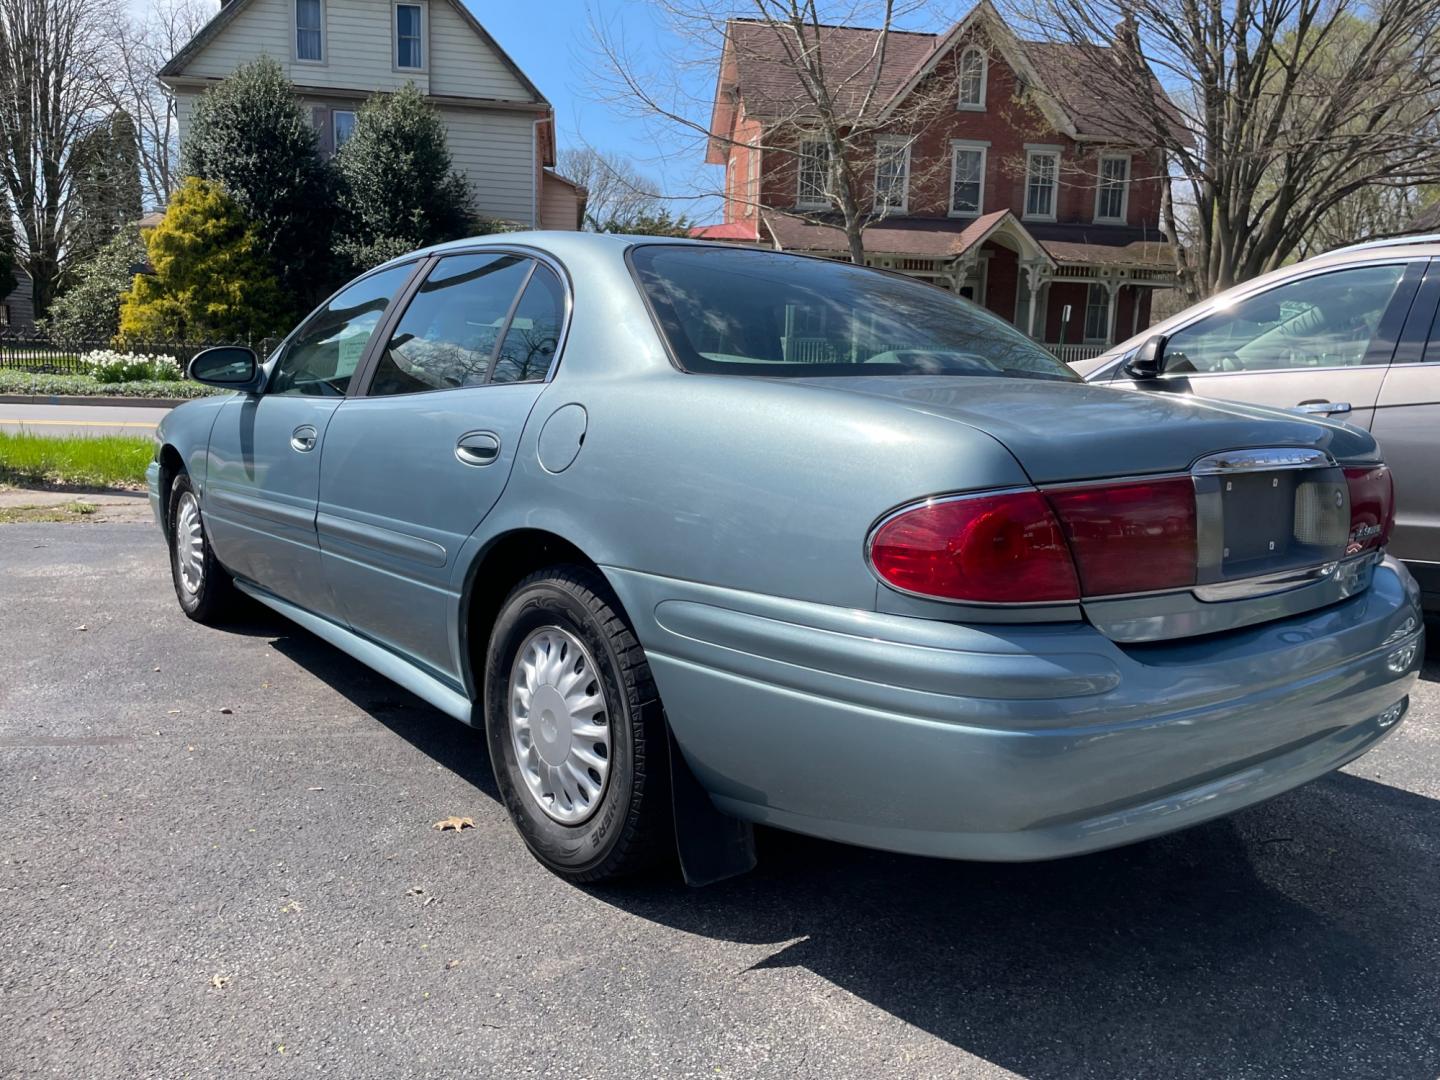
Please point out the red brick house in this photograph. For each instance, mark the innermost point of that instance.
(1019, 191)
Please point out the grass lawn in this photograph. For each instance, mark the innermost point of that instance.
(81, 461)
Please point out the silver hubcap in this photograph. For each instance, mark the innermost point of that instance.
(189, 544)
(559, 724)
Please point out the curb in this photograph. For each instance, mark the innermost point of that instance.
(83, 399)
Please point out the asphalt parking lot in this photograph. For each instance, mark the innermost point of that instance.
(218, 860)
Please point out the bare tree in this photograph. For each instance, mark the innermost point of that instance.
(835, 105)
(616, 190)
(142, 43)
(1278, 112)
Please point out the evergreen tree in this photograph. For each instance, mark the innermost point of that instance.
(398, 189)
(106, 198)
(251, 135)
(211, 279)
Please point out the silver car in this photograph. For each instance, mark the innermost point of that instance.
(704, 537)
(1353, 335)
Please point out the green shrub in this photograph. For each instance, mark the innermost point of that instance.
(211, 280)
(251, 135)
(90, 309)
(398, 189)
(28, 382)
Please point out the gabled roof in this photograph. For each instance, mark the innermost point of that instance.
(231, 8)
(755, 69)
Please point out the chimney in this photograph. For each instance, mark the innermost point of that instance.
(1127, 36)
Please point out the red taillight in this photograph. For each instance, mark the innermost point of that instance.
(995, 549)
(1372, 507)
(1135, 537)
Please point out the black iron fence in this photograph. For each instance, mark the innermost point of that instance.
(51, 356)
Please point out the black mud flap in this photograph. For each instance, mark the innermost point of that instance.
(712, 846)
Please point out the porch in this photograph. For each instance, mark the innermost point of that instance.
(1075, 296)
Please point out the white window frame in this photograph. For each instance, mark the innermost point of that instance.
(295, 35)
(424, 10)
(883, 145)
(335, 127)
(752, 180)
(983, 148)
(1033, 154)
(802, 202)
(960, 102)
(1124, 190)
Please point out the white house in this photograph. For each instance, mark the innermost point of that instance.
(338, 52)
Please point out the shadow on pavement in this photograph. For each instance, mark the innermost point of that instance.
(1297, 938)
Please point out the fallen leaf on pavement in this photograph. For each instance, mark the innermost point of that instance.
(456, 823)
(451, 965)
(226, 712)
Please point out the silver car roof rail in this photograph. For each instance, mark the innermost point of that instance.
(1393, 241)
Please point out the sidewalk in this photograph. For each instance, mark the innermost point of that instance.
(28, 504)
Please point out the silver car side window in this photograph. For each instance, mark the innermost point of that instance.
(1328, 320)
(447, 336)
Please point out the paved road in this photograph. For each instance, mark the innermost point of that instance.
(181, 804)
(80, 419)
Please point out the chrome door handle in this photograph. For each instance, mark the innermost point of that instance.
(1323, 408)
(303, 438)
(477, 448)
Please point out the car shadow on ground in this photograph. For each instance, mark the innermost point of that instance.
(1297, 938)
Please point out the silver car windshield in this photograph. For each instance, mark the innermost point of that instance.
(735, 311)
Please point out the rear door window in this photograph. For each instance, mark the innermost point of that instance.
(448, 335)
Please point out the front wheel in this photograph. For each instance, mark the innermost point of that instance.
(201, 584)
(575, 729)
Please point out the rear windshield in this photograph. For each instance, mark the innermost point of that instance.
(733, 311)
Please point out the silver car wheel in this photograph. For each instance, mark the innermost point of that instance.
(559, 724)
(190, 544)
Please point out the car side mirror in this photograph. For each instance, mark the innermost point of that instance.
(1149, 359)
(232, 367)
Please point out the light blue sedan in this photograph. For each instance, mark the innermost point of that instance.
(705, 537)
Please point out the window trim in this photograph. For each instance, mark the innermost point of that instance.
(801, 203)
(424, 8)
(295, 56)
(983, 148)
(972, 106)
(905, 143)
(335, 131)
(1124, 217)
(1032, 153)
(365, 373)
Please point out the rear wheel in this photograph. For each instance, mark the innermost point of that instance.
(575, 729)
(202, 586)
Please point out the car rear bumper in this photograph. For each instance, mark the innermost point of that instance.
(1012, 742)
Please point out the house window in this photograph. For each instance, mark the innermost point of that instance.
(309, 32)
(4, 314)
(972, 79)
(1042, 168)
(342, 126)
(1113, 189)
(892, 174)
(814, 173)
(753, 184)
(1097, 313)
(967, 180)
(409, 56)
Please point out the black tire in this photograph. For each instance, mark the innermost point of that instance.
(214, 598)
(630, 827)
